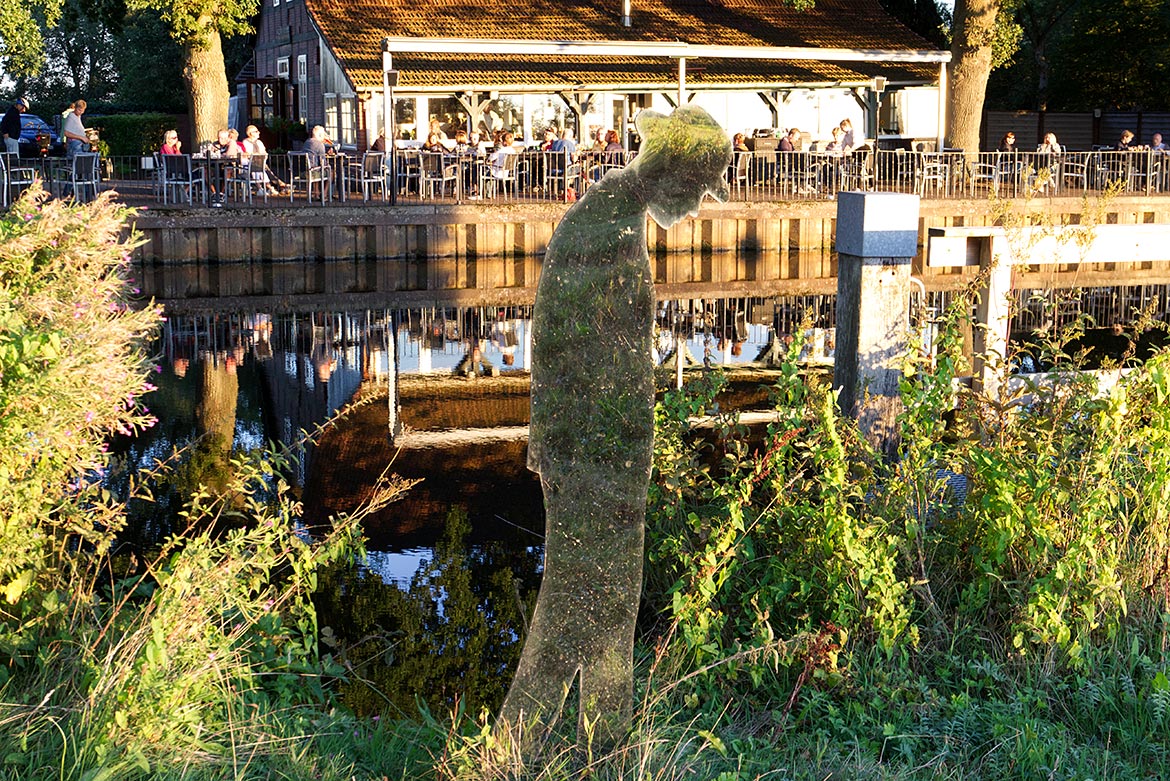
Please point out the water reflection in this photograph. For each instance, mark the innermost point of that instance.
(437, 606)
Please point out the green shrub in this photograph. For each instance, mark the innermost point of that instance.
(72, 367)
(134, 134)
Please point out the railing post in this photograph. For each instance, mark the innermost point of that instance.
(877, 238)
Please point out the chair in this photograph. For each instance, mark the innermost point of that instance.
(438, 172)
(987, 173)
(372, 174)
(740, 170)
(1145, 172)
(250, 177)
(302, 174)
(85, 176)
(1074, 172)
(857, 171)
(934, 172)
(408, 169)
(180, 175)
(494, 179)
(17, 177)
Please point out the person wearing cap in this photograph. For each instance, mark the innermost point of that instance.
(10, 126)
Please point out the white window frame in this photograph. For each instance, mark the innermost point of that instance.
(282, 67)
(332, 121)
(347, 119)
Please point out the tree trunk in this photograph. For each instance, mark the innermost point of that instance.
(1043, 71)
(207, 87)
(974, 31)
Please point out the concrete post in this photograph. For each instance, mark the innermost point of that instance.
(877, 237)
(993, 316)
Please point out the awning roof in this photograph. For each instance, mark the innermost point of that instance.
(865, 39)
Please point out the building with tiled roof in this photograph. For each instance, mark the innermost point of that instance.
(321, 61)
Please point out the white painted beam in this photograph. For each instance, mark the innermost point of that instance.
(676, 49)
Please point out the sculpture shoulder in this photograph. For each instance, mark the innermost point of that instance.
(609, 218)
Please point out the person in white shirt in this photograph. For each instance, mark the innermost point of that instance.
(76, 139)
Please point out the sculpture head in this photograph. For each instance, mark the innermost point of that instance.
(683, 157)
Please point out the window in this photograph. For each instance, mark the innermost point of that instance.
(332, 125)
(348, 134)
(302, 90)
(282, 68)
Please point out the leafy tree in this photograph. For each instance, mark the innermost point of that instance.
(1115, 56)
(79, 61)
(982, 38)
(22, 47)
(200, 26)
(149, 66)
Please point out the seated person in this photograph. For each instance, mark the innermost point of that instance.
(846, 135)
(221, 146)
(434, 143)
(315, 146)
(791, 141)
(379, 144)
(1126, 141)
(1007, 143)
(171, 143)
(837, 144)
(499, 159)
(254, 146)
(462, 143)
(234, 138)
(613, 145)
(566, 144)
(1050, 146)
(739, 143)
(1156, 144)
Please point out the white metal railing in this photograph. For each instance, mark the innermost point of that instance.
(765, 175)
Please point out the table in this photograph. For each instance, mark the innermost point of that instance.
(216, 171)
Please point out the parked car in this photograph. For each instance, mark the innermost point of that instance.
(38, 139)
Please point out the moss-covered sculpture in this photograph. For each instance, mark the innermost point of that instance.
(593, 423)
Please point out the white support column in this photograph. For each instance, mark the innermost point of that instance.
(942, 107)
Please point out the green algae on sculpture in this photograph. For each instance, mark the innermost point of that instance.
(593, 424)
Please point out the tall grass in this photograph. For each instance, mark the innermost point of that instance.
(994, 605)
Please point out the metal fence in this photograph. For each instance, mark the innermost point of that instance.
(762, 176)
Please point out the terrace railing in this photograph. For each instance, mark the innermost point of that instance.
(536, 176)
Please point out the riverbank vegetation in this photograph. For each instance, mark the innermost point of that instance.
(994, 605)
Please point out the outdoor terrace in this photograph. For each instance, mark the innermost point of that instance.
(534, 176)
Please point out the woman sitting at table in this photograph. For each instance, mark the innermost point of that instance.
(613, 143)
(434, 143)
(1125, 143)
(837, 144)
(1050, 146)
(254, 146)
(234, 138)
(499, 159)
(739, 143)
(171, 143)
(1007, 143)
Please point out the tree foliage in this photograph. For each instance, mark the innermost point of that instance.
(22, 47)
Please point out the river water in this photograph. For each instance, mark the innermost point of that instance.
(435, 611)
